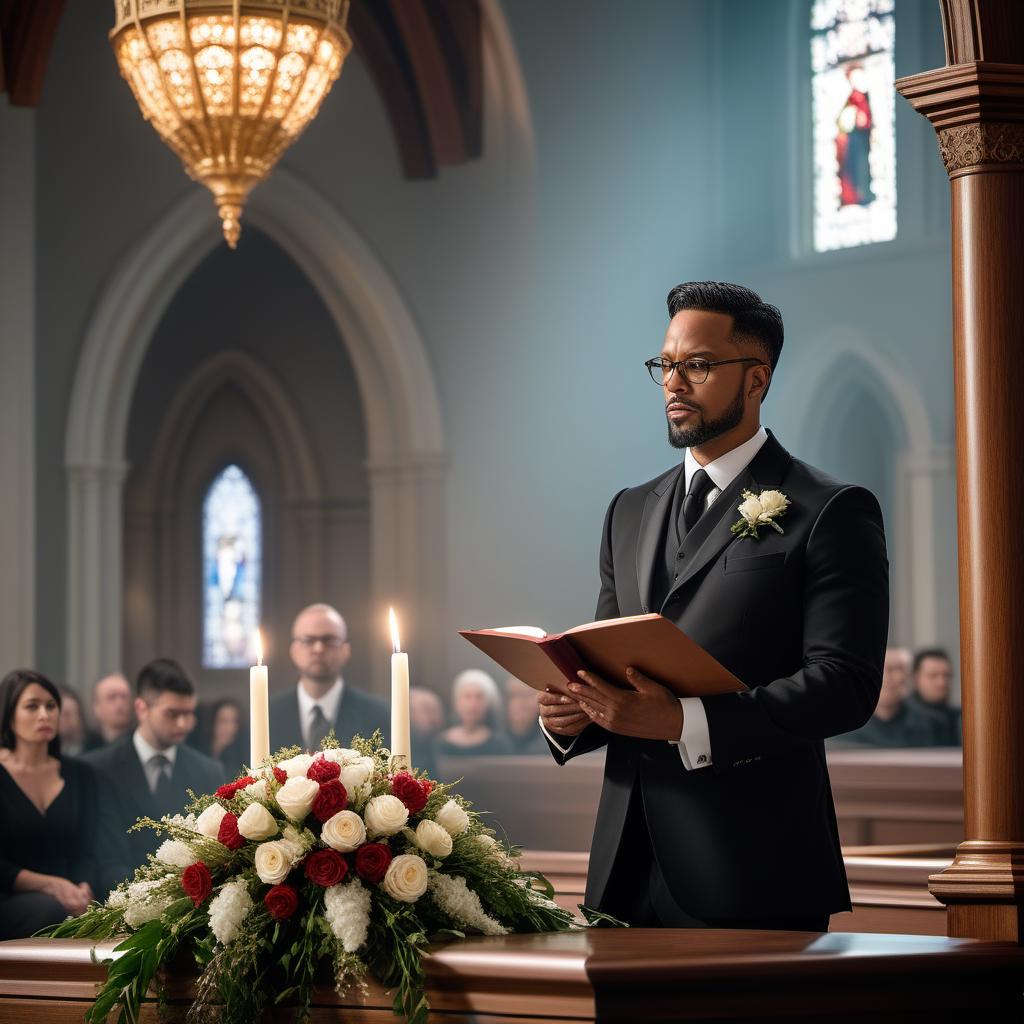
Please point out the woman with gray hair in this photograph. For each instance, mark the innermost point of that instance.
(476, 702)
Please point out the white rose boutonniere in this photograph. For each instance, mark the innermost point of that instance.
(759, 510)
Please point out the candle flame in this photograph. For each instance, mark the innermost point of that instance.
(393, 622)
(259, 647)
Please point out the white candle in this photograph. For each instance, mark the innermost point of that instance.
(259, 710)
(401, 744)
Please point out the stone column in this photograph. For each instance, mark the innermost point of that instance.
(976, 105)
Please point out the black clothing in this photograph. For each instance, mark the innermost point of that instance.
(913, 725)
(801, 618)
(59, 842)
(532, 743)
(125, 797)
(495, 744)
(947, 719)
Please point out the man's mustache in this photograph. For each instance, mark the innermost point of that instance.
(676, 404)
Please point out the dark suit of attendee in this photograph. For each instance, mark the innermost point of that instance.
(149, 772)
(908, 726)
(727, 820)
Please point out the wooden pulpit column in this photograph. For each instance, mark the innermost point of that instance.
(976, 105)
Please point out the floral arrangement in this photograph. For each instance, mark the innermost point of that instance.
(304, 865)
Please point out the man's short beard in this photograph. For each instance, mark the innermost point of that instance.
(708, 430)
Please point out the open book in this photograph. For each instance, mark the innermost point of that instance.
(649, 643)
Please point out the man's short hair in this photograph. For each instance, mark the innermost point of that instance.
(162, 675)
(753, 320)
(930, 652)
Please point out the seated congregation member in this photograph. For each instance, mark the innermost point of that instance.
(322, 699)
(894, 722)
(74, 736)
(111, 710)
(217, 731)
(523, 731)
(149, 772)
(426, 720)
(477, 706)
(933, 680)
(48, 811)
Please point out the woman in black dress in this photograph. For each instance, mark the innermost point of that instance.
(476, 702)
(48, 808)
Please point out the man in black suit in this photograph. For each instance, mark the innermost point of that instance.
(149, 771)
(321, 700)
(717, 811)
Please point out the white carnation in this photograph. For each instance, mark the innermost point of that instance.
(175, 853)
(208, 823)
(118, 899)
(144, 903)
(463, 905)
(773, 502)
(344, 831)
(750, 508)
(297, 766)
(432, 838)
(385, 815)
(273, 861)
(257, 823)
(347, 909)
(296, 796)
(228, 909)
(452, 818)
(406, 878)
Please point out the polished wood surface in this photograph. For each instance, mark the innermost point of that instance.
(882, 796)
(617, 975)
(977, 108)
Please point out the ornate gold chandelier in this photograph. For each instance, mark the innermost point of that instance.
(230, 84)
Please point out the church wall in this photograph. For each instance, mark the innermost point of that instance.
(538, 286)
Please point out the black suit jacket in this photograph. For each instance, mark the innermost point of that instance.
(802, 619)
(358, 712)
(124, 797)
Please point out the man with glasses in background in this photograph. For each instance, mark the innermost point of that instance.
(322, 699)
(716, 811)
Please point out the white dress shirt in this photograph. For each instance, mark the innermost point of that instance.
(147, 752)
(694, 743)
(328, 704)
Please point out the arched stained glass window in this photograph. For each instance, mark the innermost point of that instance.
(232, 570)
(853, 102)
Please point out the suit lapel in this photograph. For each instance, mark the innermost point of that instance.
(652, 522)
(713, 531)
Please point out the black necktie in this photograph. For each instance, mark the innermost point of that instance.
(319, 727)
(695, 501)
(163, 790)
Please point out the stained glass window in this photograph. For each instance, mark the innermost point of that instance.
(853, 102)
(232, 570)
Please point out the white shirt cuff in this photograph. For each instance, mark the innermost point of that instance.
(695, 742)
(558, 746)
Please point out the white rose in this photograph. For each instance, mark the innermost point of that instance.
(452, 818)
(273, 862)
(208, 823)
(355, 773)
(339, 755)
(296, 797)
(256, 822)
(257, 790)
(344, 831)
(751, 509)
(773, 502)
(432, 838)
(297, 766)
(385, 815)
(406, 878)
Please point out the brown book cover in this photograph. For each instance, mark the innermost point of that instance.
(649, 643)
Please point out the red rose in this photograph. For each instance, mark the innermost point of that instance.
(197, 882)
(372, 860)
(280, 774)
(229, 789)
(228, 833)
(410, 791)
(326, 868)
(322, 770)
(332, 798)
(281, 902)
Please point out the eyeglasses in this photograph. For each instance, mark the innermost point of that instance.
(695, 369)
(312, 641)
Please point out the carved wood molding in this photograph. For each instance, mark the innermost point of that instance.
(971, 145)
